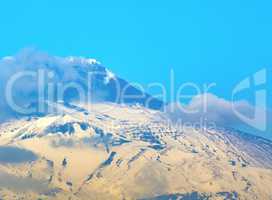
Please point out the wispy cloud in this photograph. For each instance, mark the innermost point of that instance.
(223, 113)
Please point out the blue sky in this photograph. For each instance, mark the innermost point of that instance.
(202, 41)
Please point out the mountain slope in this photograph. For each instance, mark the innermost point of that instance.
(111, 151)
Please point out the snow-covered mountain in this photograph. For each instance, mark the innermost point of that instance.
(113, 151)
(111, 147)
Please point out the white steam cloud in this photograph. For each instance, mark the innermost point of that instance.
(25, 89)
(210, 109)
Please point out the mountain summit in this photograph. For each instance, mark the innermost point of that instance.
(35, 78)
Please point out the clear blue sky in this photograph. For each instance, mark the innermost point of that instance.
(218, 41)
